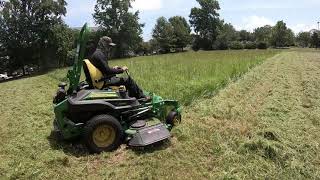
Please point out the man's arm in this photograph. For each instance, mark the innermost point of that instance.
(100, 61)
(107, 70)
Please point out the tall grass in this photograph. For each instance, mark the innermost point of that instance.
(187, 76)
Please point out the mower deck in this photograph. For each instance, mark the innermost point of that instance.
(149, 135)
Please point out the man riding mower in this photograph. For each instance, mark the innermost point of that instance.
(102, 112)
(98, 60)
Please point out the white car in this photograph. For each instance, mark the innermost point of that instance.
(3, 77)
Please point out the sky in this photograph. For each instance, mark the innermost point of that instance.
(300, 15)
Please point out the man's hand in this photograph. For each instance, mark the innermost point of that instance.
(116, 67)
(125, 68)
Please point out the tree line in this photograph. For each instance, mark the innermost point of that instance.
(33, 33)
(212, 33)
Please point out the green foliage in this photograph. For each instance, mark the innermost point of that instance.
(120, 24)
(290, 38)
(227, 34)
(174, 33)
(163, 33)
(250, 45)
(262, 45)
(63, 41)
(27, 27)
(246, 36)
(154, 45)
(236, 45)
(304, 39)
(196, 42)
(144, 48)
(181, 31)
(4, 63)
(263, 34)
(315, 39)
(281, 36)
(205, 22)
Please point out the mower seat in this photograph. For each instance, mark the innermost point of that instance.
(93, 75)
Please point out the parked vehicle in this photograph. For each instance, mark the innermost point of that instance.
(3, 77)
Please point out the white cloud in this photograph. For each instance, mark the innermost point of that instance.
(147, 4)
(249, 5)
(80, 9)
(302, 27)
(252, 22)
(79, 12)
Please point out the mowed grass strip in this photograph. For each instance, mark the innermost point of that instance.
(27, 150)
(266, 126)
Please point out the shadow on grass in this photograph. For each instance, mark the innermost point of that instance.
(76, 148)
(159, 146)
(71, 147)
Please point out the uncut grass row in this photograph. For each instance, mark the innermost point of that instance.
(187, 76)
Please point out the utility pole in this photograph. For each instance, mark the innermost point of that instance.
(317, 44)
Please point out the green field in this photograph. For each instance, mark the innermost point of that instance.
(265, 125)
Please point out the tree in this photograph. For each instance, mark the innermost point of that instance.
(250, 45)
(263, 34)
(144, 48)
(3, 59)
(227, 34)
(290, 38)
(122, 26)
(181, 31)
(205, 22)
(154, 46)
(63, 40)
(236, 45)
(315, 40)
(246, 36)
(163, 33)
(281, 36)
(262, 45)
(26, 28)
(304, 39)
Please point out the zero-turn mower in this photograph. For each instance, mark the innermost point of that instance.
(105, 117)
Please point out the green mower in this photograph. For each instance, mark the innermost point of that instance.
(105, 117)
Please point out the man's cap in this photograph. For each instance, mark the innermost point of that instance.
(107, 40)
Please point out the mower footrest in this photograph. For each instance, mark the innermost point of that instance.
(150, 135)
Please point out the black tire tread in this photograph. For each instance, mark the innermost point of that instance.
(170, 117)
(102, 119)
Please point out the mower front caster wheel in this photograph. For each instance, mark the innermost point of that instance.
(103, 133)
(173, 118)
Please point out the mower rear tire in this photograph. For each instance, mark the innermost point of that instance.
(103, 133)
